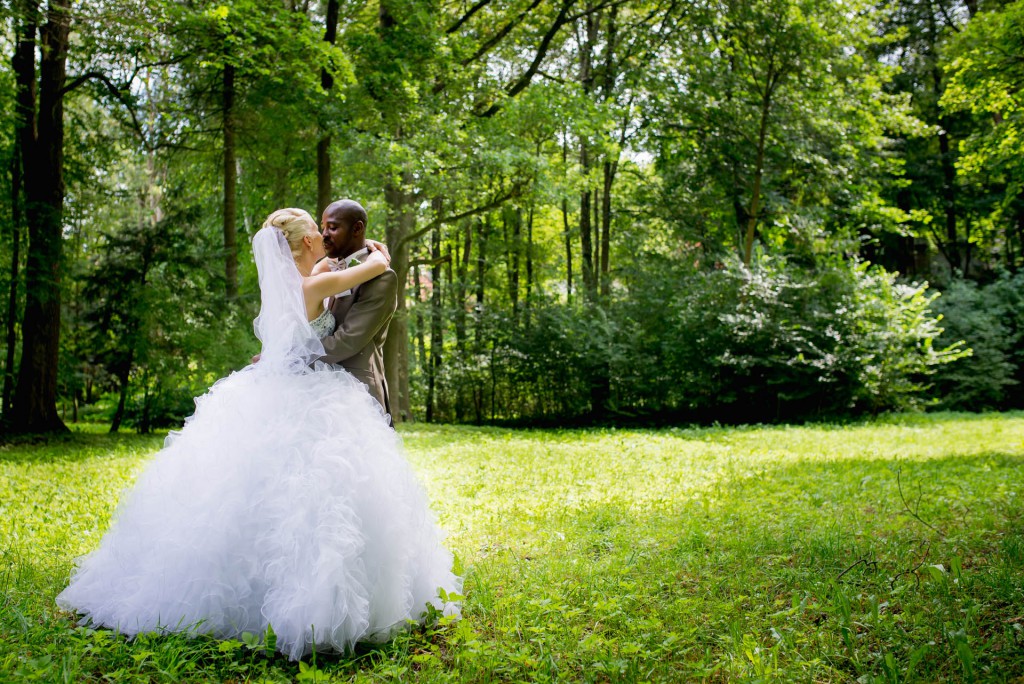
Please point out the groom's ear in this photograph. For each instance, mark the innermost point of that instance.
(358, 228)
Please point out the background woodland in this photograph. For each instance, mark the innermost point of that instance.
(601, 210)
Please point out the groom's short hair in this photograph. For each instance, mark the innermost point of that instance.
(348, 211)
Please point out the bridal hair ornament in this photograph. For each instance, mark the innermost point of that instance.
(289, 342)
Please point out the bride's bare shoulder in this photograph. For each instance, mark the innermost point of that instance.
(325, 265)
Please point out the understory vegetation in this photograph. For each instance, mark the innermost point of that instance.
(890, 550)
(599, 211)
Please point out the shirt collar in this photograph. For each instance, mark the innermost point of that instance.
(356, 257)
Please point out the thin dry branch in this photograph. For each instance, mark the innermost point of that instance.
(913, 511)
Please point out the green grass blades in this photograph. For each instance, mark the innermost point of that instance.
(884, 551)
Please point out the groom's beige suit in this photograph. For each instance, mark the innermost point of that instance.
(362, 318)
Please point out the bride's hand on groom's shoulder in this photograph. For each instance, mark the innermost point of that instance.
(380, 247)
(378, 257)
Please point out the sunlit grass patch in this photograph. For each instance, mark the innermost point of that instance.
(892, 550)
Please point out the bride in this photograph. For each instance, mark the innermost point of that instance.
(284, 501)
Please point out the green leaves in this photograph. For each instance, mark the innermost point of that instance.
(985, 75)
(781, 123)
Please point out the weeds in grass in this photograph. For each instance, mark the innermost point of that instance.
(889, 551)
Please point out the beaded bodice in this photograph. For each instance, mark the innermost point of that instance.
(323, 325)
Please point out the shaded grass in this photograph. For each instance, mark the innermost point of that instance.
(750, 553)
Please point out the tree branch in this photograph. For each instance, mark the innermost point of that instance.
(524, 80)
(83, 78)
(913, 511)
(597, 8)
(497, 37)
(430, 262)
(467, 16)
(99, 75)
(949, 21)
(121, 94)
(495, 202)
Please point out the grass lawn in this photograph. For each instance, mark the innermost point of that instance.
(718, 554)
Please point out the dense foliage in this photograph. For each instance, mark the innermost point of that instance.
(729, 344)
(634, 210)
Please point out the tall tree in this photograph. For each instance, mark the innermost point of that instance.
(41, 140)
(984, 76)
(783, 107)
(230, 213)
(936, 197)
(323, 145)
(14, 273)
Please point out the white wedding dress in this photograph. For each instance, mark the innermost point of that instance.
(285, 501)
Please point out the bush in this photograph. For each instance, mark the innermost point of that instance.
(784, 341)
(990, 319)
(548, 363)
(779, 341)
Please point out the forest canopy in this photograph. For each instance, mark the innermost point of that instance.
(610, 210)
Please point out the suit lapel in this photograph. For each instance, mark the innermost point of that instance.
(342, 305)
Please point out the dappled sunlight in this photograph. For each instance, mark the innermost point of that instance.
(481, 479)
(675, 554)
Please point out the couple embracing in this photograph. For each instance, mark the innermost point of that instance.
(285, 500)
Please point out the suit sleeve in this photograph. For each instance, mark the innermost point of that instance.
(377, 302)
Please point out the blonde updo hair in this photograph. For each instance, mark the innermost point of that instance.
(294, 224)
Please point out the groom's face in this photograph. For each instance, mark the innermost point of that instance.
(341, 237)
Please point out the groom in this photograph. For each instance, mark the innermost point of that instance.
(364, 312)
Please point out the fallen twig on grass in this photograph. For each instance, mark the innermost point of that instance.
(913, 511)
(911, 571)
(866, 563)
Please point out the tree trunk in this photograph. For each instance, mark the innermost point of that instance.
(462, 276)
(949, 197)
(436, 332)
(565, 225)
(399, 224)
(753, 215)
(951, 248)
(323, 175)
(230, 185)
(42, 145)
(323, 146)
(606, 226)
(967, 245)
(586, 244)
(596, 223)
(481, 279)
(587, 82)
(568, 250)
(610, 165)
(515, 217)
(1020, 241)
(12, 298)
(421, 344)
(144, 427)
(122, 396)
(529, 256)
(1016, 226)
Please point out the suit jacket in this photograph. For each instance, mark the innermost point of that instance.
(362, 327)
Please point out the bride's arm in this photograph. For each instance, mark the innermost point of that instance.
(322, 285)
(375, 246)
(322, 266)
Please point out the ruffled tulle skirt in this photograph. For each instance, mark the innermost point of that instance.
(284, 501)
